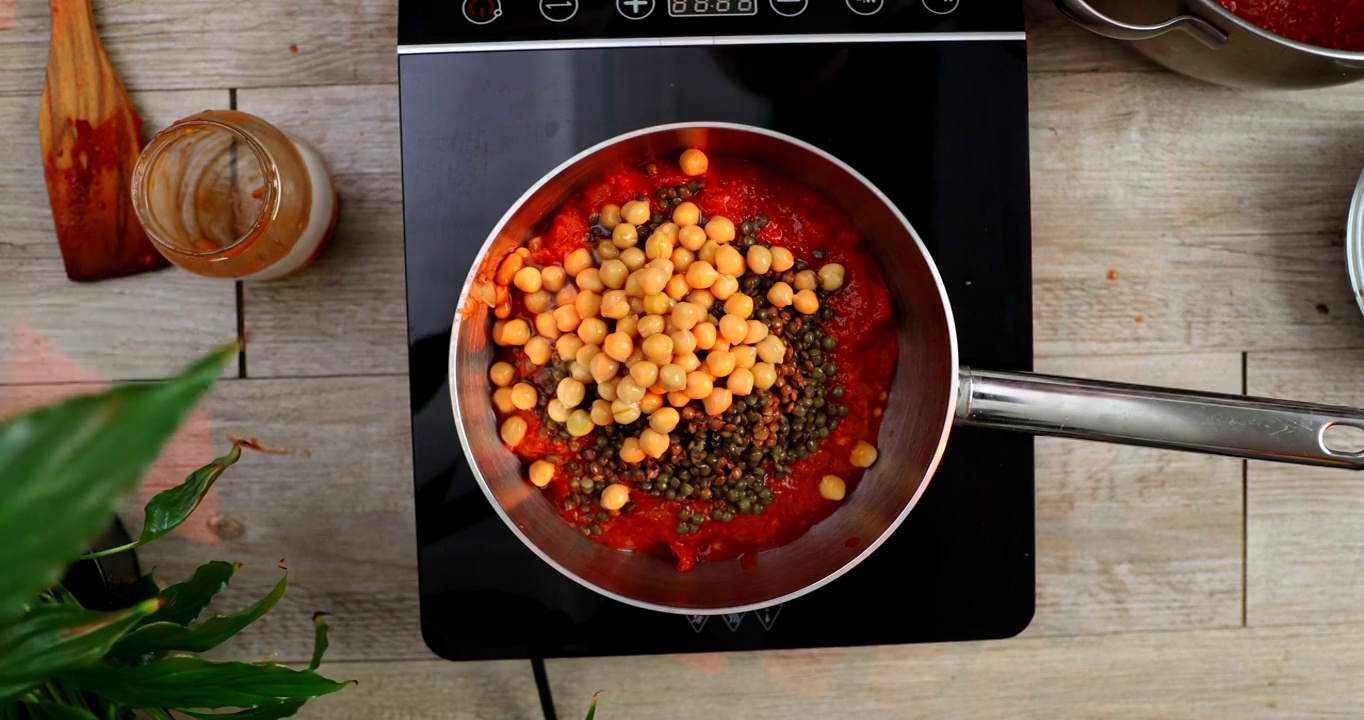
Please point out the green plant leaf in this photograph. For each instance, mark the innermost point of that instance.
(50, 638)
(165, 636)
(45, 710)
(169, 508)
(592, 710)
(183, 602)
(319, 640)
(264, 712)
(64, 468)
(157, 714)
(193, 682)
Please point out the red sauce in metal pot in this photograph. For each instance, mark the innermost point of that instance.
(1335, 24)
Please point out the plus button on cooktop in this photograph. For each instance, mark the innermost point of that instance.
(635, 9)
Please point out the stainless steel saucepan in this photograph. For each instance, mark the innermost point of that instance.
(930, 395)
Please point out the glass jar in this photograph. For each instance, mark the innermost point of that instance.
(226, 194)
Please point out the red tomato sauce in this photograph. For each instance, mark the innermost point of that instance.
(865, 356)
(1335, 24)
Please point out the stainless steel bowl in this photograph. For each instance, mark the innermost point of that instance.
(1204, 40)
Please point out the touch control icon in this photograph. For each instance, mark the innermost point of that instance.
(482, 12)
(865, 7)
(635, 9)
(789, 8)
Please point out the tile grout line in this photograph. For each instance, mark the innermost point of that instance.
(1245, 507)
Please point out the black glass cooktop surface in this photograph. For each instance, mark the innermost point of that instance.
(935, 117)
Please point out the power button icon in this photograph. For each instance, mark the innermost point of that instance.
(482, 12)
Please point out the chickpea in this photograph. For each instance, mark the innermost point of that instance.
(759, 259)
(806, 302)
(539, 301)
(705, 334)
(566, 295)
(686, 315)
(686, 213)
(502, 374)
(739, 304)
(566, 318)
(652, 280)
(672, 377)
(701, 275)
(606, 250)
(832, 487)
(579, 422)
(506, 271)
(556, 410)
(538, 350)
(603, 366)
(546, 325)
(691, 238)
(745, 356)
(625, 236)
(664, 420)
(610, 216)
(728, 261)
(757, 331)
(615, 496)
(524, 396)
(651, 325)
(740, 382)
(632, 286)
(653, 443)
(636, 305)
(630, 452)
(588, 304)
(601, 413)
(677, 287)
(694, 162)
(863, 454)
(578, 371)
(764, 375)
(516, 332)
(633, 258)
(651, 403)
(687, 361)
(552, 278)
(718, 401)
(624, 412)
(658, 247)
(658, 348)
(498, 328)
(614, 305)
(514, 430)
(771, 349)
(618, 346)
(682, 259)
(577, 261)
(635, 212)
(568, 347)
(613, 274)
(724, 287)
(664, 264)
(502, 400)
(570, 392)
(678, 399)
(699, 385)
(733, 328)
(780, 295)
(628, 325)
(644, 373)
(831, 277)
(720, 229)
(707, 251)
(721, 345)
(592, 331)
(629, 391)
(782, 259)
(720, 364)
(527, 279)
(703, 299)
(590, 280)
(541, 472)
(805, 280)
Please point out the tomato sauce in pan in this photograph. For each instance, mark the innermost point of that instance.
(1335, 24)
(865, 357)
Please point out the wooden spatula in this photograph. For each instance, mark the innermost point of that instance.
(91, 139)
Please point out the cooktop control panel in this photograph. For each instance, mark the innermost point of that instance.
(454, 22)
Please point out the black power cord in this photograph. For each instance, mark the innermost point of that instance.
(537, 668)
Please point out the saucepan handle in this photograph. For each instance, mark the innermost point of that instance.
(1098, 23)
(1233, 425)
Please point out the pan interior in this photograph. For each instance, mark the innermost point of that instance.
(912, 436)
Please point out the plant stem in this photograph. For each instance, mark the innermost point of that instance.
(110, 551)
(62, 595)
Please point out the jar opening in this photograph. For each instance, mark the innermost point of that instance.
(204, 187)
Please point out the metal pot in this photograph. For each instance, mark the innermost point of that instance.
(1204, 40)
(929, 395)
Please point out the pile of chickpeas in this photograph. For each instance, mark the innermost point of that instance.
(634, 320)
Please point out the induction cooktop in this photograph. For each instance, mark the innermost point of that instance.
(927, 98)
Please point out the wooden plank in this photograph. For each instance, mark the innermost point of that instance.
(1135, 539)
(431, 690)
(347, 313)
(1219, 214)
(200, 43)
(51, 328)
(1230, 673)
(1303, 534)
(337, 507)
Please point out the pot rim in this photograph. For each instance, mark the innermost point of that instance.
(948, 415)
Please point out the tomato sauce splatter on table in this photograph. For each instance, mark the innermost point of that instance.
(1335, 24)
(866, 353)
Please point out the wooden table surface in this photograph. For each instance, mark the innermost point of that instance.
(1183, 234)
